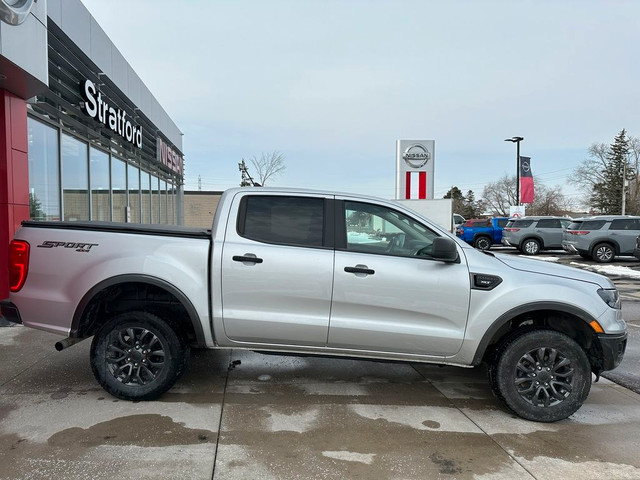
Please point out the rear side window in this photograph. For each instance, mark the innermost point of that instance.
(484, 223)
(549, 223)
(522, 223)
(592, 224)
(282, 220)
(625, 224)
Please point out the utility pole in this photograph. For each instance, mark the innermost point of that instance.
(247, 181)
(624, 187)
(517, 141)
(199, 183)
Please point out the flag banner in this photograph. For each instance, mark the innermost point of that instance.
(526, 180)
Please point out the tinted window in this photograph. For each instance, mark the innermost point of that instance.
(502, 223)
(549, 223)
(377, 229)
(574, 226)
(592, 224)
(522, 223)
(624, 224)
(283, 220)
(483, 223)
(565, 223)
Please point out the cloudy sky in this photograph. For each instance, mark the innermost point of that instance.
(333, 84)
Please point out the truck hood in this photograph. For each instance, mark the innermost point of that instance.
(548, 268)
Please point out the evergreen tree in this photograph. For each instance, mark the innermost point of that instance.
(455, 194)
(607, 193)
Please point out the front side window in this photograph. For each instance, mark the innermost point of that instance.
(377, 229)
(282, 220)
(625, 224)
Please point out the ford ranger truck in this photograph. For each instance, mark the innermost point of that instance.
(316, 273)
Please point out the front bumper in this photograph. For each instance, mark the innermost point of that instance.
(9, 312)
(613, 347)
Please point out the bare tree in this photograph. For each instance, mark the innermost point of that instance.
(500, 195)
(268, 165)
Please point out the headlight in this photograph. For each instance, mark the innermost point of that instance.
(611, 297)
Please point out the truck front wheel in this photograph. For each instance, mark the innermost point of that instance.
(137, 356)
(542, 375)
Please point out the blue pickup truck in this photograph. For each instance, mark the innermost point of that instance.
(482, 233)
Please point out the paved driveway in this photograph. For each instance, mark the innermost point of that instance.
(274, 417)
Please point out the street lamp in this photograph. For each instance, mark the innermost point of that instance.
(517, 141)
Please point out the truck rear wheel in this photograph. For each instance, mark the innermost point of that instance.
(138, 356)
(482, 243)
(542, 375)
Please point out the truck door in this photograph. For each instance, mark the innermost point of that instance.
(388, 295)
(277, 269)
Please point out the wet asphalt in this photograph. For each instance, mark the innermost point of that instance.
(278, 417)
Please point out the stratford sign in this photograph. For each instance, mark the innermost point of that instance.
(111, 117)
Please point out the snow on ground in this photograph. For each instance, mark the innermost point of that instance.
(615, 270)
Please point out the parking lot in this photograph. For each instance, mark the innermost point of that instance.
(275, 417)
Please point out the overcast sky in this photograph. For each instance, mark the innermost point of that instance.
(333, 84)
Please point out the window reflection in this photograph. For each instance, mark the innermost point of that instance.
(134, 193)
(119, 189)
(155, 199)
(44, 182)
(75, 179)
(163, 201)
(100, 197)
(145, 190)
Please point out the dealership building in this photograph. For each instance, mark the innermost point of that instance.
(82, 137)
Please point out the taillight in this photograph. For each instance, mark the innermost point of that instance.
(512, 229)
(461, 230)
(578, 232)
(18, 264)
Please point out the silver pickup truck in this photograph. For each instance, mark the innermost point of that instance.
(307, 272)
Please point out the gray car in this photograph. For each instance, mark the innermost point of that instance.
(532, 234)
(602, 237)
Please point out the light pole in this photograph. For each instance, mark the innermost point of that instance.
(517, 141)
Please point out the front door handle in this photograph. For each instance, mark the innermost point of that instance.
(359, 269)
(248, 257)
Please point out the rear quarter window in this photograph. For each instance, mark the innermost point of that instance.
(502, 223)
(592, 224)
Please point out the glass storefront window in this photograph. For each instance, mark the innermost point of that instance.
(170, 204)
(145, 189)
(44, 181)
(163, 201)
(75, 179)
(100, 194)
(134, 193)
(155, 200)
(119, 189)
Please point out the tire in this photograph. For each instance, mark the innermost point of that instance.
(138, 356)
(603, 253)
(531, 246)
(547, 357)
(482, 243)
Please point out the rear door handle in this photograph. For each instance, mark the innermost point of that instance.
(359, 269)
(246, 258)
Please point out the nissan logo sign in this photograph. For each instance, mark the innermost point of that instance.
(14, 12)
(416, 156)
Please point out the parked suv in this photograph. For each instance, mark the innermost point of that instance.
(602, 237)
(532, 234)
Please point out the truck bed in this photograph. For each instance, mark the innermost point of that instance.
(135, 228)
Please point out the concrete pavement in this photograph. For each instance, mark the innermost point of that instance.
(275, 417)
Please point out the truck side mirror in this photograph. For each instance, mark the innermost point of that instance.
(444, 249)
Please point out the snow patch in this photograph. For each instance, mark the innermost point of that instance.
(295, 422)
(616, 270)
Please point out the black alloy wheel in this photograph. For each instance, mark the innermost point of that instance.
(482, 243)
(138, 356)
(541, 375)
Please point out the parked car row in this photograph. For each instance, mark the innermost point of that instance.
(601, 238)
